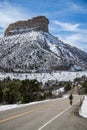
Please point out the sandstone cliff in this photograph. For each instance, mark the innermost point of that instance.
(36, 23)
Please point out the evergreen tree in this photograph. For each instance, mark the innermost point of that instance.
(11, 92)
(67, 86)
(85, 86)
(1, 93)
(29, 90)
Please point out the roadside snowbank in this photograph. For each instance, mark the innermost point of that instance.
(83, 110)
(7, 107)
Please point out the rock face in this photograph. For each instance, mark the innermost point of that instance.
(35, 24)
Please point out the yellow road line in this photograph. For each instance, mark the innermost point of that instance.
(22, 114)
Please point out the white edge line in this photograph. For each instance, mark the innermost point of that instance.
(55, 117)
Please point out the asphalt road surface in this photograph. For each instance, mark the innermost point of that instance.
(53, 115)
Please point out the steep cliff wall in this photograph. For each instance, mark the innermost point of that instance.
(36, 23)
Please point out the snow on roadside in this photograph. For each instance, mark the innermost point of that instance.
(83, 110)
(8, 107)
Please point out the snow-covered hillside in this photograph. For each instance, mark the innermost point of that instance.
(38, 51)
(44, 77)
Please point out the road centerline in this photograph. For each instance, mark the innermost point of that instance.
(24, 113)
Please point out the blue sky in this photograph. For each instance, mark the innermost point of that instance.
(68, 18)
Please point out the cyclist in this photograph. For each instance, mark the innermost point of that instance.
(70, 98)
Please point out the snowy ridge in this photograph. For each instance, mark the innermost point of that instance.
(38, 51)
(44, 77)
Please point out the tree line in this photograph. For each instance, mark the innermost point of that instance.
(25, 91)
(13, 91)
(22, 91)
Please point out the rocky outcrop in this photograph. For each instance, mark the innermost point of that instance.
(36, 23)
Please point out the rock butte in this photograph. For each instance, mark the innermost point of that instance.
(36, 23)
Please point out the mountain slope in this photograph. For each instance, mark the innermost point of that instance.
(38, 51)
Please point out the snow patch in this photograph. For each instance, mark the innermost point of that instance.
(58, 91)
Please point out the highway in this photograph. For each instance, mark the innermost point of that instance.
(52, 115)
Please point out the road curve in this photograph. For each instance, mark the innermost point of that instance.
(52, 115)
